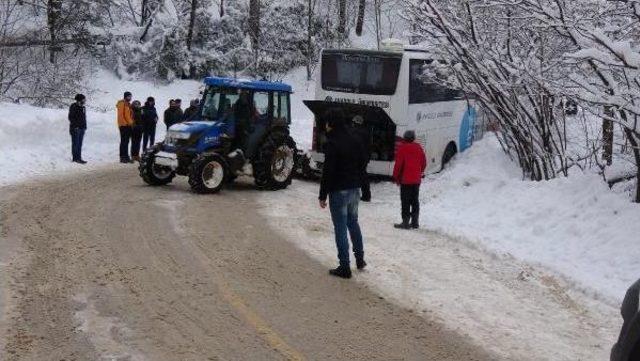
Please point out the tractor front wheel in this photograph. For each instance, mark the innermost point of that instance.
(207, 174)
(152, 173)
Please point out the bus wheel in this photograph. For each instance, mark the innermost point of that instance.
(449, 153)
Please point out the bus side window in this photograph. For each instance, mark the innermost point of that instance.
(425, 90)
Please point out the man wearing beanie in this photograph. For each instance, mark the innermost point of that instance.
(342, 173)
(77, 127)
(411, 162)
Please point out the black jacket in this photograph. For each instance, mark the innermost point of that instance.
(172, 115)
(344, 163)
(137, 117)
(190, 113)
(149, 115)
(77, 116)
(628, 346)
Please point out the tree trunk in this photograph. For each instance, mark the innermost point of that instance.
(634, 140)
(310, 9)
(360, 21)
(54, 10)
(221, 8)
(144, 12)
(254, 23)
(192, 22)
(342, 16)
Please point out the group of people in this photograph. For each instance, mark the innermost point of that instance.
(136, 123)
(344, 175)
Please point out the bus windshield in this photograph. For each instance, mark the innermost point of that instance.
(364, 72)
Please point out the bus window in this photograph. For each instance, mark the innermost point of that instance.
(373, 73)
(424, 90)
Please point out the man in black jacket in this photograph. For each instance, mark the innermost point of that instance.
(342, 174)
(77, 127)
(628, 346)
(149, 121)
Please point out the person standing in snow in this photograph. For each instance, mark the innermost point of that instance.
(173, 114)
(411, 162)
(136, 130)
(192, 111)
(125, 125)
(149, 121)
(341, 181)
(364, 134)
(77, 127)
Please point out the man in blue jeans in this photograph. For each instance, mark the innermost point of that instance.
(77, 127)
(342, 175)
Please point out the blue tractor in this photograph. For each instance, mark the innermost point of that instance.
(242, 128)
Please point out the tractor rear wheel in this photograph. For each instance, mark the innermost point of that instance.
(207, 174)
(152, 173)
(274, 164)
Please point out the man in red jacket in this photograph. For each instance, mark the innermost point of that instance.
(411, 162)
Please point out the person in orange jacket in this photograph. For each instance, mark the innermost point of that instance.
(125, 124)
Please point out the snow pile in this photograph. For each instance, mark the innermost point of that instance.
(35, 141)
(574, 226)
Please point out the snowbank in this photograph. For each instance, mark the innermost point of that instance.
(574, 226)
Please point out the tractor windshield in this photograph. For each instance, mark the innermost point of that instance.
(218, 102)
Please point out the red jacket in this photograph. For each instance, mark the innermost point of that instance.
(411, 162)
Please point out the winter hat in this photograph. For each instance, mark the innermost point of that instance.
(80, 97)
(409, 136)
(151, 99)
(195, 102)
(335, 118)
(127, 94)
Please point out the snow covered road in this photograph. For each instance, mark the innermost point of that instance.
(110, 269)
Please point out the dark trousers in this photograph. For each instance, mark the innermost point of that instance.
(366, 188)
(344, 214)
(148, 136)
(125, 137)
(410, 198)
(77, 136)
(136, 140)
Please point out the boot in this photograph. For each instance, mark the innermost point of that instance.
(415, 223)
(404, 225)
(360, 263)
(136, 158)
(342, 272)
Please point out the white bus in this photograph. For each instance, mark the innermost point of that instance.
(387, 88)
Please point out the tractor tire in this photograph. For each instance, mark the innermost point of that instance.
(208, 173)
(153, 174)
(274, 164)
